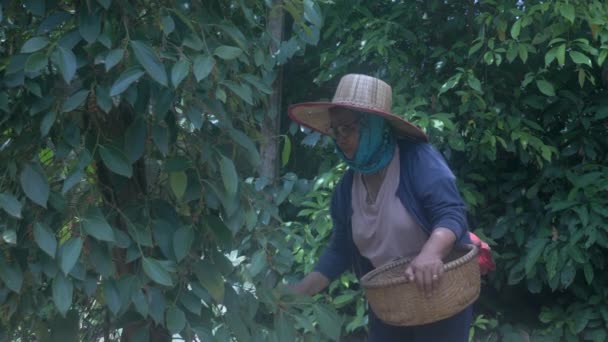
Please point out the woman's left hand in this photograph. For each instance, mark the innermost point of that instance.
(426, 270)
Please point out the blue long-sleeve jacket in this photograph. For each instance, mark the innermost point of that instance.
(427, 189)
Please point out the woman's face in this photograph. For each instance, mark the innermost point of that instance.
(345, 129)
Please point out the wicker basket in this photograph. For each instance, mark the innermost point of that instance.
(396, 301)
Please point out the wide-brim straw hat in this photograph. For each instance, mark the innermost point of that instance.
(361, 93)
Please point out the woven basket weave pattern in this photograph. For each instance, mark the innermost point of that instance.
(396, 301)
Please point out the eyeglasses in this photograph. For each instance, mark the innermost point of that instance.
(343, 130)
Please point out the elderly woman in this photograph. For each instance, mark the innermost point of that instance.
(398, 199)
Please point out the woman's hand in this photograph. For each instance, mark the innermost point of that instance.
(426, 270)
(313, 283)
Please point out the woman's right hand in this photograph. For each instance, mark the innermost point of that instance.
(313, 283)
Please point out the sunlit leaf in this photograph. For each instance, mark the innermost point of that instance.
(178, 182)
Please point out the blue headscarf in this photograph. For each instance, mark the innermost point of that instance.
(376, 145)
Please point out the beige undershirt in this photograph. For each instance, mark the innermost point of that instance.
(385, 230)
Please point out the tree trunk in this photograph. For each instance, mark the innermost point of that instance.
(269, 147)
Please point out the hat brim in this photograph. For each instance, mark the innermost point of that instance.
(315, 115)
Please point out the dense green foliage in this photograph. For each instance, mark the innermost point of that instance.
(131, 204)
(514, 95)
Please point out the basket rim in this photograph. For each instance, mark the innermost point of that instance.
(367, 279)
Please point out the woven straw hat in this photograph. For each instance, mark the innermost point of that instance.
(357, 92)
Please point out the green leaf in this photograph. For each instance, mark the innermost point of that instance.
(515, 29)
(284, 328)
(150, 61)
(167, 24)
(550, 56)
(141, 303)
(90, 26)
(258, 263)
(37, 7)
(113, 58)
(63, 290)
(45, 239)
(160, 135)
(227, 52)
(523, 53)
(34, 44)
(241, 90)
(190, 302)
(125, 80)
(602, 57)
(104, 101)
(10, 204)
(175, 320)
(450, 83)
(69, 253)
(178, 163)
(580, 58)
(155, 270)
(112, 296)
(11, 275)
(567, 11)
(545, 87)
(229, 175)
(245, 141)
(95, 224)
(47, 122)
(71, 180)
(140, 234)
(182, 241)
(115, 160)
(10, 236)
(211, 279)
(105, 3)
(179, 72)
(203, 66)
(135, 140)
(178, 182)
(329, 322)
(475, 48)
(286, 151)
(195, 116)
(536, 248)
(474, 83)
(75, 101)
(36, 62)
(35, 185)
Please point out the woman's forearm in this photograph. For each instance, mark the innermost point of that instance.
(313, 283)
(440, 243)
